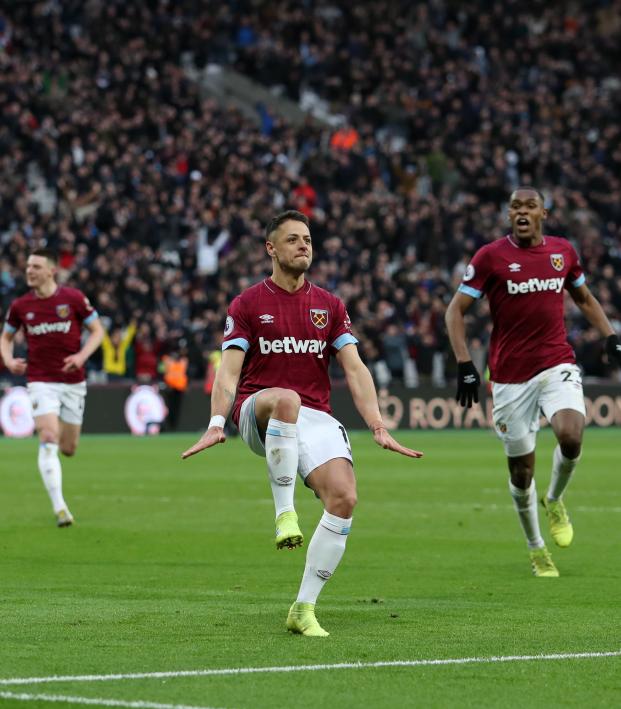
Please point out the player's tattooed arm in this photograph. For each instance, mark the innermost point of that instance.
(362, 388)
(222, 400)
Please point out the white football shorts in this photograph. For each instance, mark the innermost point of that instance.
(64, 400)
(320, 437)
(517, 407)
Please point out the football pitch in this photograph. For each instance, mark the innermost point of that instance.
(168, 592)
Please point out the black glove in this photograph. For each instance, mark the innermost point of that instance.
(468, 381)
(613, 349)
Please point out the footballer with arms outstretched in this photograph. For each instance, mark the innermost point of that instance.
(278, 340)
(52, 317)
(532, 366)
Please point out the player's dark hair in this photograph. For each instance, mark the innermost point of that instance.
(532, 189)
(49, 254)
(290, 214)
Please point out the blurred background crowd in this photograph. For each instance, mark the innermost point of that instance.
(156, 195)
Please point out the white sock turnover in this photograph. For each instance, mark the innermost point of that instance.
(562, 470)
(525, 503)
(281, 454)
(51, 474)
(324, 553)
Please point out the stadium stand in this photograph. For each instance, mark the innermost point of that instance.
(156, 194)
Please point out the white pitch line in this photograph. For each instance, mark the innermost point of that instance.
(310, 668)
(503, 507)
(138, 704)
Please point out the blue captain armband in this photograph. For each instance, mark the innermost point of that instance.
(342, 340)
(469, 290)
(580, 281)
(237, 342)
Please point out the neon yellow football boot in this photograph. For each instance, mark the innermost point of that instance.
(561, 528)
(301, 619)
(288, 532)
(542, 563)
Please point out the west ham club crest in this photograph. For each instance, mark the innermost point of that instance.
(319, 318)
(558, 261)
(62, 311)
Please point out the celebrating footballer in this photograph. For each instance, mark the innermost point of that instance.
(532, 366)
(278, 340)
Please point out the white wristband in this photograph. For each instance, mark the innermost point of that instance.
(218, 421)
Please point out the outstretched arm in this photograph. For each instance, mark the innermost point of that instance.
(222, 399)
(362, 388)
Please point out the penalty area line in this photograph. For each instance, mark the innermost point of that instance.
(93, 701)
(307, 668)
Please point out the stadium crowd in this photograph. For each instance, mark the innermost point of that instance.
(156, 197)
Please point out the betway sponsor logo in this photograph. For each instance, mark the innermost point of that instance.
(536, 285)
(45, 327)
(289, 345)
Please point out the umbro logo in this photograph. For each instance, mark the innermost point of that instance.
(514, 267)
(266, 319)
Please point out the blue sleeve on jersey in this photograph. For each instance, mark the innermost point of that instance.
(9, 328)
(237, 342)
(93, 316)
(469, 290)
(580, 281)
(345, 339)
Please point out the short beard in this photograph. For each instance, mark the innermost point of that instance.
(292, 270)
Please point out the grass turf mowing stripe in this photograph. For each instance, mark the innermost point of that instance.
(137, 704)
(312, 668)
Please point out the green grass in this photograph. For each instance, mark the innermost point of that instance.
(172, 567)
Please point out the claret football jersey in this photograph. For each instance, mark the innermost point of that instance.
(288, 339)
(53, 329)
(524, 287)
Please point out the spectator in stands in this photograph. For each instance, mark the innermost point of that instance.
(115, 346)
(146, 355)
(116, 166)
(175, 375)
